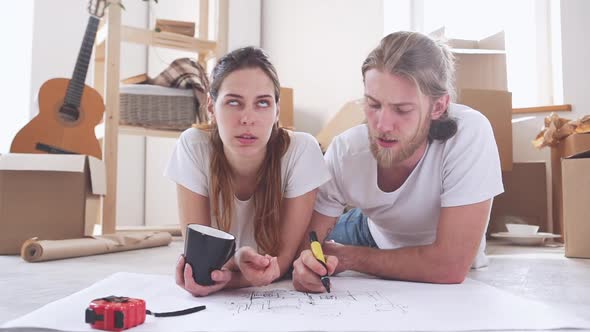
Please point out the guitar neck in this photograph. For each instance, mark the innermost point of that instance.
(76, 86)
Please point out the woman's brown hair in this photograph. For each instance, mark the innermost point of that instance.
(268, 194)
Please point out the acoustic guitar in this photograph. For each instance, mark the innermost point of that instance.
(68, 109)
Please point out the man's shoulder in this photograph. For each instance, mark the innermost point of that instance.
(473, 128)
(470, 122)
(351, 142)
(467, 117)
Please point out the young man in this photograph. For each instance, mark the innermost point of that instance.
(421, 175)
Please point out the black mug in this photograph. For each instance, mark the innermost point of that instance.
(206, 249)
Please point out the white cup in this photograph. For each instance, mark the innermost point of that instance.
(520, 229)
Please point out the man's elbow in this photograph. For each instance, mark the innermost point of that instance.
(454, 273)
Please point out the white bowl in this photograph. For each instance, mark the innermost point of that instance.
(521, 229)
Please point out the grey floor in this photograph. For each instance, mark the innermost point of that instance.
(538, 273)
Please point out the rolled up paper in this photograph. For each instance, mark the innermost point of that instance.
(35, 250)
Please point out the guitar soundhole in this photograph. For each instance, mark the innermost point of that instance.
(69, 113)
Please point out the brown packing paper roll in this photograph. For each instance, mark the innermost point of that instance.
(35, 250)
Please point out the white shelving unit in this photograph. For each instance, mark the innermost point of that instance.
(107, 78)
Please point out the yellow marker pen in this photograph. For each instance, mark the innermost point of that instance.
(316, 249)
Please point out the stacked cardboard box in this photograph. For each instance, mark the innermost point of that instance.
(524, 199)
(570, 162)
(481, 83)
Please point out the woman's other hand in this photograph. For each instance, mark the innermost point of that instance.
(259, 270)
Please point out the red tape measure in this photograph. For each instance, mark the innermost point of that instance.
(117, 313)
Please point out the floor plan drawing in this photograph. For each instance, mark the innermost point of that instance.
(329, 304)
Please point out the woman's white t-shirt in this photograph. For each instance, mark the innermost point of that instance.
(302, 170)
(463, 170)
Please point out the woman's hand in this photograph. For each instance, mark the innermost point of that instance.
(259, 270)
(184, 279)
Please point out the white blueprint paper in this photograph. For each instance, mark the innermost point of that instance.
(355, 304)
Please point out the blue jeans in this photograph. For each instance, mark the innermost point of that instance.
(352, 229)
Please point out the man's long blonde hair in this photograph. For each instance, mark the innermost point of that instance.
(426, 62)
(268, 193)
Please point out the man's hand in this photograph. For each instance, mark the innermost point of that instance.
(338, 251)
(307, 272)
(184, 279)
(259, 270)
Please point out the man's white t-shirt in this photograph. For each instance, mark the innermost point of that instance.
(302, 170)
(463, 170)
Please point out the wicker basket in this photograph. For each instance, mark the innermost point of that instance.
(157, 107)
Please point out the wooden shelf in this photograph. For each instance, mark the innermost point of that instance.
(139, 131)
(160, 39)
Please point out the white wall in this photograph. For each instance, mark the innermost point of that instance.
(575, 54)
(56, 42)
(318, 47)
(15, 67)
(244, 24)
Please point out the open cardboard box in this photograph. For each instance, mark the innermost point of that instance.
(524, 199)
(48, 196)
(570, 164)
(479, 64)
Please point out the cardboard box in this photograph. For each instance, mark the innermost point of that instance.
(48, 196)
(572, 147)
(497, 107)
(576, 207)
(350, 115)
(286, 107)
(524, 199)
(479, 64)
(180, 27)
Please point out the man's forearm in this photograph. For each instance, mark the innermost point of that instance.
(420, 263)
(322, 225)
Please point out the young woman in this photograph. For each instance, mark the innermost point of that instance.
(246, 175)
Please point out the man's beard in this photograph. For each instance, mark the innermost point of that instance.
(388, 157)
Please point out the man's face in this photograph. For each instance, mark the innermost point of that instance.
(398, 117)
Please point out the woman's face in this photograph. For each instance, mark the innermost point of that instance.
(245, 112)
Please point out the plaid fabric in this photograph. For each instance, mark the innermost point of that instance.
(186, 73)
